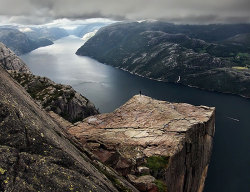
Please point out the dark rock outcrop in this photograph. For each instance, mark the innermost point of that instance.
(62, 99)
(36, 153)
(9, 61)
(174, 140)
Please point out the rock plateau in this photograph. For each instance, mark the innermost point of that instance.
(172, 140)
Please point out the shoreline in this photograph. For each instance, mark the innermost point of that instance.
(191, 86)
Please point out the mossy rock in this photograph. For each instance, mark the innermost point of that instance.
(157, 162)
(157, 165)
(161, 186)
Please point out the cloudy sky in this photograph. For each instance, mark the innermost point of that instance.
(178, 11)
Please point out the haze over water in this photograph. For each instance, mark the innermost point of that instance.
(108, 88)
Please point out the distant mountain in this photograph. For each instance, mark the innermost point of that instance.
(240, 39)
(19, 42)
(80, 31)
(53, 33)
(196, 55)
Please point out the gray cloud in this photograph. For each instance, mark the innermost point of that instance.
(179, 11)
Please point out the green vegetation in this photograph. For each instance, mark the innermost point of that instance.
(242, 59)
(239, 68)
(156, 163)
(2, 171)
(243, 55)
(161, 185)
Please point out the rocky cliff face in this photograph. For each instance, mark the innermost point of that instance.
(62, 99)
(155, 144)
(36, 154)
(9, 61)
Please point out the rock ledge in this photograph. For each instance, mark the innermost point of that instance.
(174, 140)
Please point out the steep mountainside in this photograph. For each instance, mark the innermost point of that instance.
(176, 53)
(37, 155)
(157, 145)
(19, 42)
(61, 99)
(9, 61)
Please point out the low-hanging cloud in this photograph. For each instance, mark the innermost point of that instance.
(178, 11)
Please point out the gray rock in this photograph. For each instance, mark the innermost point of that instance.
(36, 154)
(143, 183)
(144, 170)
(9, 61)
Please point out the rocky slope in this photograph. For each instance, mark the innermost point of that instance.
(19, 42)
(174, 53)
(36, 153)
(157, 145)
(61, 99)
(9, 61)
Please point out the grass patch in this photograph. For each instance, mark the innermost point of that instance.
(161, 185)
(2, 171)
(243, 54)
(156, 163)
(239, 68)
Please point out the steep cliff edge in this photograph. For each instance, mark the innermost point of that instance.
(10, 61)
(157, 145)
(36, 153)
(62, 99)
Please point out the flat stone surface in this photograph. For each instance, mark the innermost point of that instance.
(142, 127)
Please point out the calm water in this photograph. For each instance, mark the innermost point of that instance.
(108, 88)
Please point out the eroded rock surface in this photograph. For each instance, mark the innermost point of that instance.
(174, 140)
(62, 99)
(9, 61)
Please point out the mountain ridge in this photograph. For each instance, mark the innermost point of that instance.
(159, 51)
(19, 42)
